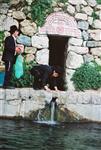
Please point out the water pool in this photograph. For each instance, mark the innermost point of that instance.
(24, 135)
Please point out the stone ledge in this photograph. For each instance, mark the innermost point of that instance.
(70, 97)
(22, 101)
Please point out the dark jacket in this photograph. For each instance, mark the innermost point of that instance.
(9, 49)
(45, 74)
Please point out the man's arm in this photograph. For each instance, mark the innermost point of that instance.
(46, 72)
(55, 84)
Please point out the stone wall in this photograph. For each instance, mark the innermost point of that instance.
(23, 102)
(84, 35)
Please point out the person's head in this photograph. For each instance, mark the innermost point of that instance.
(57, 71)
(14, 30)
(55, 74)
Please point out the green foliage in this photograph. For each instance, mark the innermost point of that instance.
(95, 16)
(62, 1)
(26, 80)
(40, 9)
(88, 76)
(98, 1)
(4, 1)
(1, 40)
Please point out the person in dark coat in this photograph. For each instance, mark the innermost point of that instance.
(46, 77)
(9, 54)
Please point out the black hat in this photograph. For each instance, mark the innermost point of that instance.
(13, 28)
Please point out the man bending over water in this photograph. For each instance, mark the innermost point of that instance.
(46, 77)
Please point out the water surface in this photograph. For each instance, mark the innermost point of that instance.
(24, 135)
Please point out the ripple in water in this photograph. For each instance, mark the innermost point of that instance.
(23, 135)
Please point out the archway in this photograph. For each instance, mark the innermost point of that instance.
(59, 27)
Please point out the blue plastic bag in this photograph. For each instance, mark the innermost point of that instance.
(19, 66)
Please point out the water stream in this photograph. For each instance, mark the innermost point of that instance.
(52, 121)
(52, 111)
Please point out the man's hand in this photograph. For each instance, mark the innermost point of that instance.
(55, 88)
(17, 49)
(46, 88)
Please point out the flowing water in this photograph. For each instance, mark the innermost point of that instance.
(52, 111)
(25, 135)
(52, 121)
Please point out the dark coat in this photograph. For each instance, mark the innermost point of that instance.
(9, 49)
(44, 72)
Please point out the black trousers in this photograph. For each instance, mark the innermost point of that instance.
(8, 72)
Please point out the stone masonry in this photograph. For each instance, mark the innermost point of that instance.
(76, 22)
(22, 102)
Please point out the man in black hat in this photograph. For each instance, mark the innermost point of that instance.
(46, 77)
(9, 54)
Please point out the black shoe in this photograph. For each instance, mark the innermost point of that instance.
(8, 87)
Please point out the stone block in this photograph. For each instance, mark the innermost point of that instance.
(83, 25)
(75, 41)
(90, 20)
(2, 94)
(93, 44)
(74, 60)
(12, 94)
(77, 2)
(69, 82)
(1, 107)
(4, 8)
(95, 34)
(78, 49)
(88, 58)
(40, 42)
(19, 15)
(25, 40)
(71, 9)
(87, 10)
(96, 51)
(30, 50)
(78, 8)
(14, 2)
(98, 7)
(97, 24)
(11, 108)
(85, 35)
(81, 16)
(92, 3)
(98, 61)
(9, 21)
(24, 93)
(84, 98)
(42, 56)
(72, 97)
(28, 28)
(2, 18)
